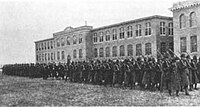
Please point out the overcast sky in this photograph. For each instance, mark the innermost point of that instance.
(24, 21)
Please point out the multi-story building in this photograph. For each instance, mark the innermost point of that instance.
(186, 19)
(144, 36)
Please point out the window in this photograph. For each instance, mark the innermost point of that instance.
(36, 46)
(107, 51)
(114, 51)
(42, 57)
(95, 52)
(101, 52)
(58, 55)
(129, 31)
(80, 39)
(54, 44)
(192, 19)
(101, 37)
(130, 50)
(183, 44)
(170, 26)
(107, 35)
(52, 56)
(122, 50)
(45, 46)
(48, 45)
(58, 42)
(37, 58)
(45, 58)
(48, 56)
(138, 30)
(68, 41)
(162, 28)
(51, 44)
(95, 37)
(62, 42)
(163, 47)
(193, 43)
(74, 53)
(121, 33)
(39, 46)
(42, 46)
(138, 49)
(148, 49)
(182, 20)
(80, 53)
(148, 28)
(63, 55)
(74, 39)
(114, 31)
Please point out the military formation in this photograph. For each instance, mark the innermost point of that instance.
(168, 72)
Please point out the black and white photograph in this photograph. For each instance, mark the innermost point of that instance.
(99, 53)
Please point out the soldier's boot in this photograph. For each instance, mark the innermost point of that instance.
(195, 86)
(186, 91)
(170, 92)
(177, 93)
(191, 88)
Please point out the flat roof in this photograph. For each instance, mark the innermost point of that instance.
(134, 21)
(44, 40)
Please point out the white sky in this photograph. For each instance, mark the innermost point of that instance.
(24, 21)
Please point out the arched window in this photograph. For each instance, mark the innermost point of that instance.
(114, 51)
(52, 56)
(80, 53)
(101, 37)
(148, 28)
(122, 50)
(138, 49)
(45, 46)
(63, 55)
(74, 53)
(58, 42)
(121, 33)
(48, 45)
(74, 39)
(68, 41)
(95, 52)
(107, 51)
(51, 44)
(148, 48)
(107, 35)
(130, 50)
(48, 56)
(182, 20)
(129, 31)
(170, 28)
(162, 28)
(192, 19)
(114, 36)
(95, 39)
(62, 42)
(58, 55)
(101, 52)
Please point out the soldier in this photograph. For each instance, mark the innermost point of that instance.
(116, 75)
(158, 70)
(195, 79)
(198, 69)
(184, 73)
(139, 71)
(61, 71)
(174, 76)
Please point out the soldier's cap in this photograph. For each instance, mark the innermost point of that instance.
(188, 57)
(194, 57)
(182, 55)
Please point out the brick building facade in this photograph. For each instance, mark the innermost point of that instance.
(186, 19)
(133, 38)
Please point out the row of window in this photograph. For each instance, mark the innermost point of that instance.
(99, 37)
(193, 44)
(80, 53)
(45, 45)
(75, 40)
(51, 56)
(100, 52)
(183, 20)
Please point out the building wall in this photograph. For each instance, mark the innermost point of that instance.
(187, 31)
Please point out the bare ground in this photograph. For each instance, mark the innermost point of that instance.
(20, 91)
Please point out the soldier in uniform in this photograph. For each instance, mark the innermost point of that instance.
(174, 77)
(184, 73)
(198, 69)
(139, 66)
(195, 79)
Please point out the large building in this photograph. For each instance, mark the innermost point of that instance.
(186, 19)
(139, 37)
(133, 38)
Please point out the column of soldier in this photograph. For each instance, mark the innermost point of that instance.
(169, 72)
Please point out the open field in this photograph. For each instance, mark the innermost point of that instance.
(19, 91)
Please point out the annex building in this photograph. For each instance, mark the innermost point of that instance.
(143, 36)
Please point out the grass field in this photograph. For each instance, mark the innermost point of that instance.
(19, 91)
